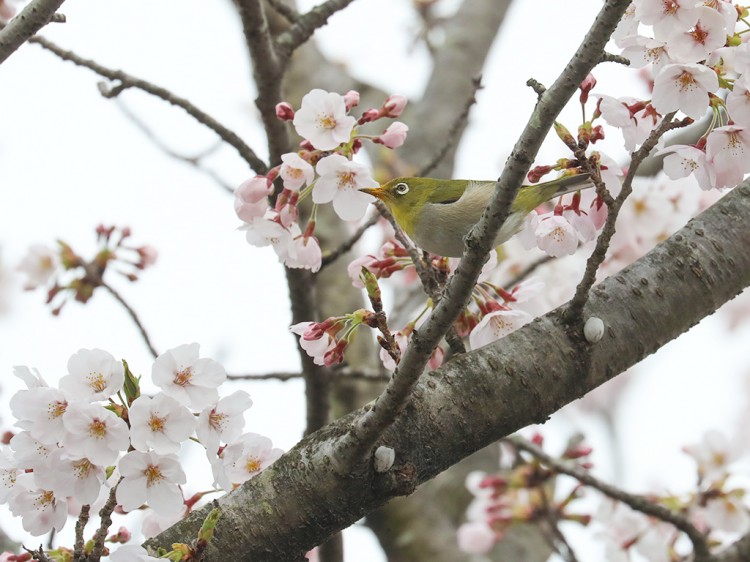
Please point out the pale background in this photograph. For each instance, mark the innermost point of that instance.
(69, 160)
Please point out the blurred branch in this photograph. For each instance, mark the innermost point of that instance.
(739, 551)
(342, 373)
(133, 315)
(21, 28)
(194, 161)
(454, 133)
(287, 12)
(303, 28)
(638, 503)
(125, 81)
(332, 256)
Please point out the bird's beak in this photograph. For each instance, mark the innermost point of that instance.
(377, 192)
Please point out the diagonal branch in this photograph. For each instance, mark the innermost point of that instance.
(479, 241)
(125, 81)
(21, 28)
(304, 27)
(483, 395)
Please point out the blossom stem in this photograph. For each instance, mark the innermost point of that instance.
(134, 316)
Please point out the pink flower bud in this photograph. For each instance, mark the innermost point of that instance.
(147, 255)
(394, 105)
(254, 190)
(284, 111)
(369, 115)
(586, 86)
(351, 99)
(394, 136)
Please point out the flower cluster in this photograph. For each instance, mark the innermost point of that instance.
(323, 168)
(523, 493)
(326, 341)
(97, 436)
(694, 49)
(65, 273)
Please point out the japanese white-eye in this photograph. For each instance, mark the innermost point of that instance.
(437, 214)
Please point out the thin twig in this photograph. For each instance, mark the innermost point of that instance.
(609, 57)
(537, 86)
(333, 255)
(134, 316)
(452, 137)
(125, 81)
(105, 517)
(195, 161)
(21, 28)
(301, 30)
(37, 554)
(83, 519)
(636, 502)
(287, 12)
(574, 311)
(342, 373)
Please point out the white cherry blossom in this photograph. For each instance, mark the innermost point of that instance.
(153, 479)
(246, 457)
(323, 121)
(728, 149)
(39, 265)
(684, 87)
(66, 476)
(295, 172)
(340, 180)
(93, 375)
(738, 101)
(160, 423)
(224, 421)
(496, 325)
(693, 45)
(40, 411)
(95, 433)
(683, 160)
(40, 510)
(132, 553)
(186, 377)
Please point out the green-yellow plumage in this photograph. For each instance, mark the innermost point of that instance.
(437, 214)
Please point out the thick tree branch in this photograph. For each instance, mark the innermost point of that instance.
(21, 28)
(483, 395)
(125, 81)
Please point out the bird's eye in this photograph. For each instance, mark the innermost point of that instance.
(402, 188)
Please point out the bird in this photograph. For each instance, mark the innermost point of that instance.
(437, 214)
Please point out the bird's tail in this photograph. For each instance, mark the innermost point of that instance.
(531, 196)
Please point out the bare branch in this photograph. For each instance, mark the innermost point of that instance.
(342, 373)
(332, 256)
(287, 12)
(133, 315)
(302, 29)
(83, 518)
(638, 503)
(125, 81)
(21, 28)
(602, 244)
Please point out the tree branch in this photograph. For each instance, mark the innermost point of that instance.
(125, 81)
(21, 28)
(479, 241)
(638, 503)
(131, 312)
(483, 395)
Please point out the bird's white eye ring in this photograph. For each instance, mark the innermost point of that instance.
(402, 188)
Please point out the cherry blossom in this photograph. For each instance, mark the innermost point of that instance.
(738, 101)
(641, 51)
(684, 87)
(476, 537)
(67, 476)
(706, 34)
(496, 325)
(31, 377)
(304, 251)
(190, 380)
(29, 452)
(160, 423)
(666, 15)
(246, 457)
(323, 121)
(95, 433)
(40, 411)
(340, 180)
(93, 375)
(9, 471)
(728, 149)
(713, 455)
(39, 265)
(684, 160)
(295, 171)
(223, 421)
(556, 236)
(316, 343)
(394, 105)
(132, 553)
(40, 510)
(727, 513)
(150, 478)
(265, 231)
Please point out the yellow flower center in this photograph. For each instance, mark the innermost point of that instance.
(216, 420)
(97, 428)
(346, 179)
(686, 81)
(326, 121)
(96, 381)
(183, 377)
(56, 409)
(153, 475)
(252, 464)
(156, 423)
(82, 468)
